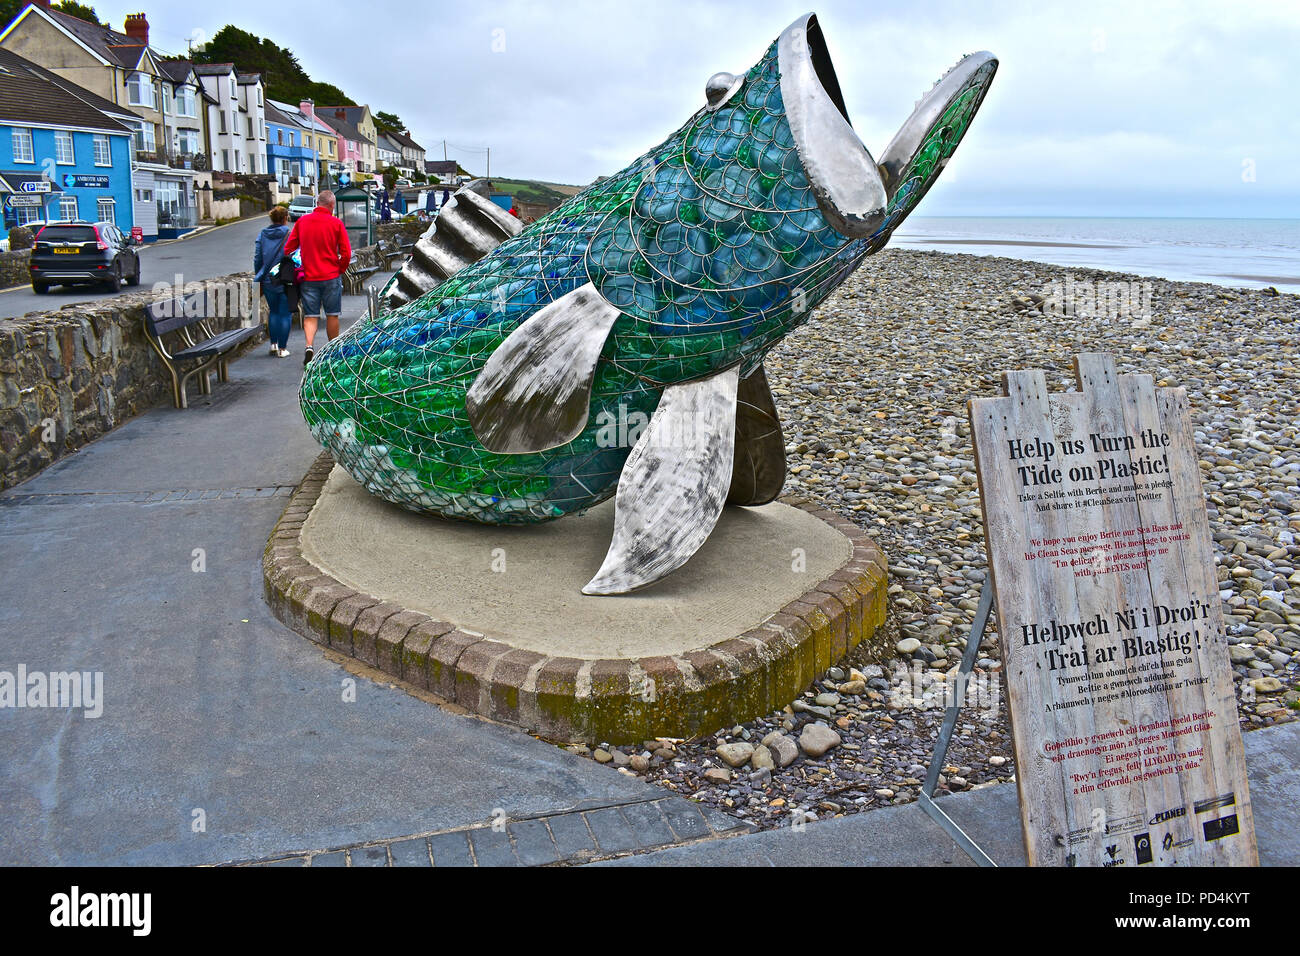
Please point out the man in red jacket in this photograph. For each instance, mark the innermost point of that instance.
(326, 252)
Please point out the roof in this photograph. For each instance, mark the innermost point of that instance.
(278, 116)
(213, 69)
(353, 114)
(344, 128)
(300, 118)
(178, 71)
(403, 139)
(247, 79)
(388, 144)
(117, 48)
(31, 94)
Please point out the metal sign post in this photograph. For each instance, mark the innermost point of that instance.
(932, 809)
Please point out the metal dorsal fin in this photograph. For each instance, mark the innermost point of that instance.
(534, 391)
(674, 484)
(758, 474)
(466, 229)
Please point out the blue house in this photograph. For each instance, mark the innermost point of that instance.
(288, 158)
(64, 152)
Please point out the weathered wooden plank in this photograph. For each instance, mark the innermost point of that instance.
(1122, 707)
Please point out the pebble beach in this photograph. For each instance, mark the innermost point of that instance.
(872, 394)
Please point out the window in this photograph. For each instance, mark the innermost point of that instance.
(185, 101)
(167, 97)
(142, 135)
(279, 137)
(250, 127)
(223, 124)
(259, 96)
(63, 154)
(139, 90)
(23, 145)
(25, 214)
(106, 209)
(225, 160)
(103, 151)
(144, 195)
(67, 208)
(187, 141)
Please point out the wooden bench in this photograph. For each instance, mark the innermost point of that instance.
(185, 322)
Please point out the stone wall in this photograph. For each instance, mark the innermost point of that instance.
(13, 268)
(411, 231)
(68, 376)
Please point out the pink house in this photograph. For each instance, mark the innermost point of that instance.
(351, 141)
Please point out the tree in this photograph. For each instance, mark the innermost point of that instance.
(79, 10)
(390, 178)
(283, 75)
(389, 122)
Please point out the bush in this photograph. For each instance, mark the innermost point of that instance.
(20, 237)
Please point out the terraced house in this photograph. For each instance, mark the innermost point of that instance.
(236, 106)
(121, 69)
(64, 153)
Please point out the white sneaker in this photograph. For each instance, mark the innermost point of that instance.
(283, 353)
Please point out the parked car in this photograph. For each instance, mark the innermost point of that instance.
(77, 253)
(299, 206)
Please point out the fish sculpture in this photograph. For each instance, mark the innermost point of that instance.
(614, 347)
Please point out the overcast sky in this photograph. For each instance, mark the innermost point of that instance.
(1110, 108)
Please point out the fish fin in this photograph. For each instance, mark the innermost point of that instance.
(465, 230)
(673, 485)
(758, 471)
(534, 391)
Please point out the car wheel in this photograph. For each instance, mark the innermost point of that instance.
(134, 278)
(40, 288)
(114, 282)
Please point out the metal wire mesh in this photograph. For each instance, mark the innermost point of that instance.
(711, 245)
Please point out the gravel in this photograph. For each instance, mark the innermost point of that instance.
(872, 395)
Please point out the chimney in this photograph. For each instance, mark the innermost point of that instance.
(341, 113)
(137, 28)
(43, 4)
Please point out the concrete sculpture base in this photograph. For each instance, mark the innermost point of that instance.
(493, 618)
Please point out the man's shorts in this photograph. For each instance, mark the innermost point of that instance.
(327, 295)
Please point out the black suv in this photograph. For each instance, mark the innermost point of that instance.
(67, 253)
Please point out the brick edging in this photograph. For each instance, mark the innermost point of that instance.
(567, 699)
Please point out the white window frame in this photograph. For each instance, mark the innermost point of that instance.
(106, 210)
(103, 141)
(25, 214)
(167, 93)
(142, 136)
(136, 83)
(185, 100)
(64, 201)
(63, 141)
(23, 134)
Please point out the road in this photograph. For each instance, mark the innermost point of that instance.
(216, 252)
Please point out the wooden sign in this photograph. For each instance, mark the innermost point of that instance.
(1123, 714)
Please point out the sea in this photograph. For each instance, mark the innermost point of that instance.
(1240, 253)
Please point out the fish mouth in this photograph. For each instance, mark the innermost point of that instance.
(844, 178)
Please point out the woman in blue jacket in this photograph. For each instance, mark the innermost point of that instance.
(266, 256)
